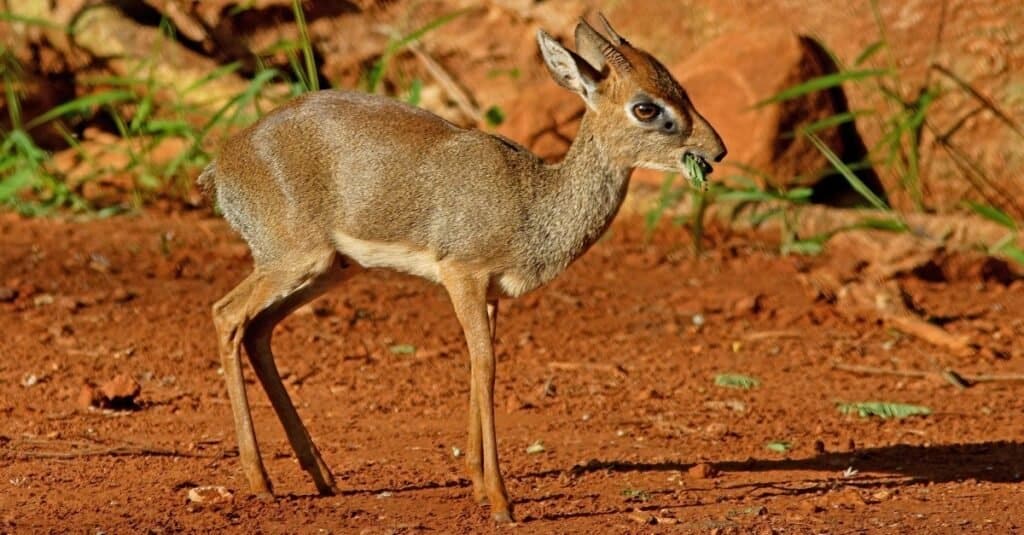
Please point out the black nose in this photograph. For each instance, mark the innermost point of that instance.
(721, 154)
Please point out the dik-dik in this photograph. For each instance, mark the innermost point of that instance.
(336, 182)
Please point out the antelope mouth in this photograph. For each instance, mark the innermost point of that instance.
(701, 161)
(696, 168)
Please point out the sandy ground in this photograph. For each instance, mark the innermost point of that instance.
(606, 367)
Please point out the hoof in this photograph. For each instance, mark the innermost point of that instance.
(480, 498)
(265, 496)
(502, 517)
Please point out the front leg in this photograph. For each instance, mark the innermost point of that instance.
(468, 292)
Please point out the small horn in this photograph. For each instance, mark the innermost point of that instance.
(616, 59)
(616, 39)
(590, 42)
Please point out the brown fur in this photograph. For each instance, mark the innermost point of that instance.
(333, 182)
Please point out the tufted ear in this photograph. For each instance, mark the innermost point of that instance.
(568, 69)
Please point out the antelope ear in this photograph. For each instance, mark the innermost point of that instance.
(591, 45)
(568, 69)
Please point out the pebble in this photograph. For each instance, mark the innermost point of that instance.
(121, 390)
(209, 494)
(121, 295)
(8, 294)
(702, 471)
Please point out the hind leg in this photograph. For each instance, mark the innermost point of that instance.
(290, 291)
(247, 316)
(229, 317)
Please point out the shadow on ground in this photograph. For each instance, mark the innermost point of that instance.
(997, 462)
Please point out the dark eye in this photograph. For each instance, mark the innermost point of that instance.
(645, 111)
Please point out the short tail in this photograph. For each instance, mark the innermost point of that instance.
(207, 181)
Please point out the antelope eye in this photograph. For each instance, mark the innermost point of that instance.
(645, 111)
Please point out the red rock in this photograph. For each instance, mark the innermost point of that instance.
(121, 390)
(702, 471)
(729, 75)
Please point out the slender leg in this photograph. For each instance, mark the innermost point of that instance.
(468, 292)
(229, 318)
(290, 295)
(247, 315)
(474, 458)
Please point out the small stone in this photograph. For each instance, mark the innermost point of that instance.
(514, 403)
(69, 304)
(747, 305)
(8, 294)
(716, 429)
(121, 391)
(209, 494)
(121, 295)
(43, 300)
(702, 471)
(641, 518)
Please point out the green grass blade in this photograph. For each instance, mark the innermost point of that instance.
(13, 104)
(748, 195)
(1012, 252)
(829, 122)
(819, 83)
(312, 74)
(808, 247)
(379, 68)
(81, 105)
(993, 214)
(856, 183)
(868, 52)
(31, 21)
(219, 72)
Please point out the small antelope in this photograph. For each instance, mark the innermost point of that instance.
(334, 182)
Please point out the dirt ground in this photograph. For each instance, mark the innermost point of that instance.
(607, 367)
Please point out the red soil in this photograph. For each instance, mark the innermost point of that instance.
(605, 367)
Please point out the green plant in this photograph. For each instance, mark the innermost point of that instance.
(883, 409)
(636, 495)
(733, 380)
(671, 195)
(304, 75)
(145, 114)
(778, 446)
(375, 76)
(902, 118)
(766, 203)
(22, 162)
(1007, 246)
